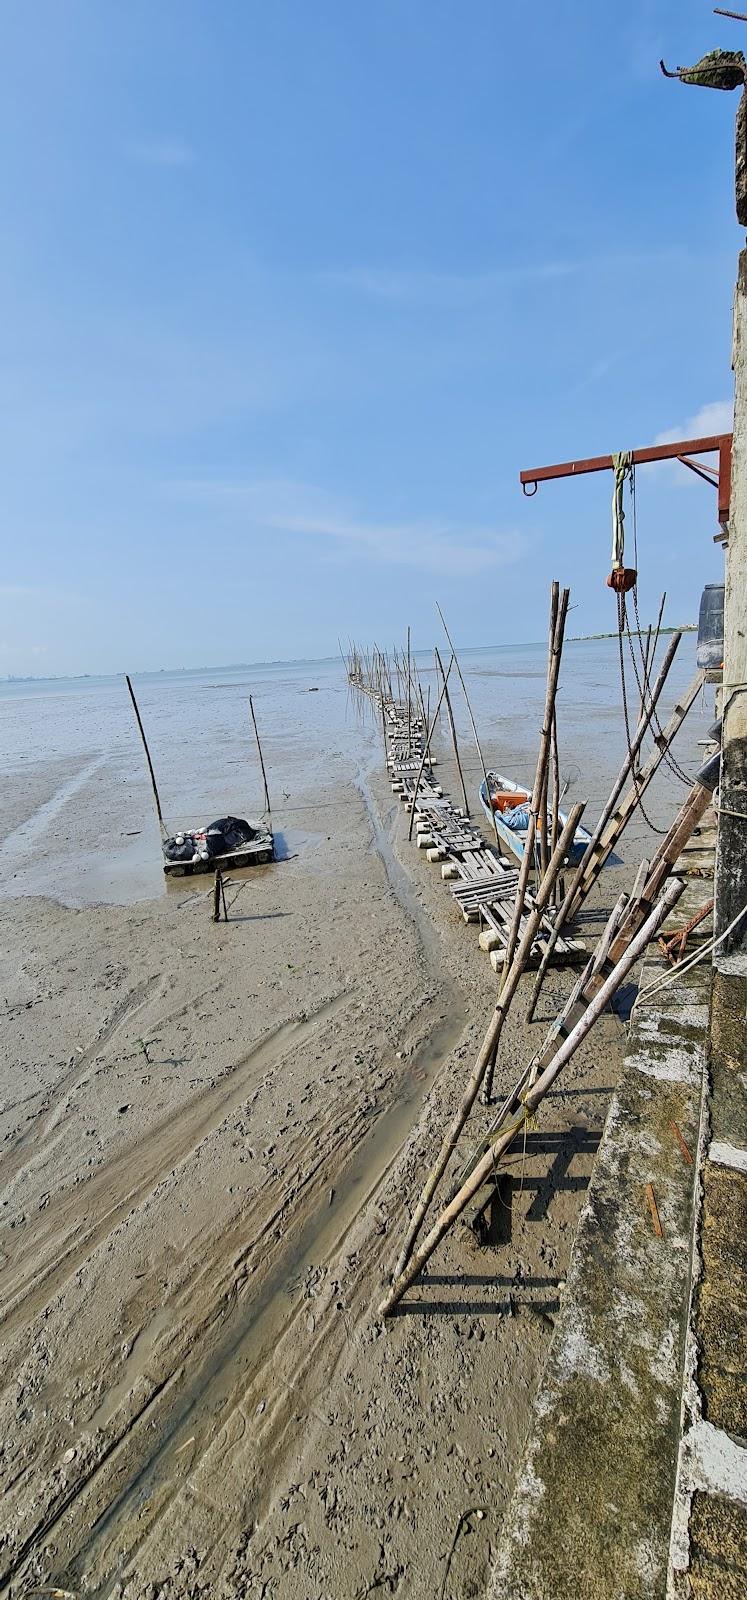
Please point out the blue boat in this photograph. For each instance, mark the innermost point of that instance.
(496, 802)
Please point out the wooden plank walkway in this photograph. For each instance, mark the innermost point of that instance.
(483, 882)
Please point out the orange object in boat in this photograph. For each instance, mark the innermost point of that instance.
(506, 799)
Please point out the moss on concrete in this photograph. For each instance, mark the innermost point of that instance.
(718, 1548)
(721, 1316)
(591, 1513)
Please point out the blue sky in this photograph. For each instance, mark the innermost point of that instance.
(291, 292)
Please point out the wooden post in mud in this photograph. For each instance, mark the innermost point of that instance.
(268, 808)
(426, 749)
(147, 753)
(450, 714)
(219, 896)
(534, 1096)
(490, 1042)
(478, 746)
(558, 612)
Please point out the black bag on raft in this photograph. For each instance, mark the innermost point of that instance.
(179, 852)
(228, 833)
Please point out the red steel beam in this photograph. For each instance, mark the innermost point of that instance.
(721, 442)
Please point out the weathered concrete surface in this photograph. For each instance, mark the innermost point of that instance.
(731, 861)
(709, 1531)
(718, 1549)
(591, 1514)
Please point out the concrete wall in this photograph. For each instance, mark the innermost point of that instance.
(731, 867)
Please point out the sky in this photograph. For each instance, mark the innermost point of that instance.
(290, 293)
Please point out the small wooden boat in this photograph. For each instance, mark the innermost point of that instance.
(504, 801)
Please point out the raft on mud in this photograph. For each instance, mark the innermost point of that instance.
(229, 842)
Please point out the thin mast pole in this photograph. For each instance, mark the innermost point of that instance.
(147, 752)
(472, 720)
(268, 807)
(450, 715)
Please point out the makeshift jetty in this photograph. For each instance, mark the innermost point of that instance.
(482, 882)
(521, 926)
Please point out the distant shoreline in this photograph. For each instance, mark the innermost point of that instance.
(685, 627)
(293, 661)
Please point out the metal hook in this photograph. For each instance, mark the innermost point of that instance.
(525, 489)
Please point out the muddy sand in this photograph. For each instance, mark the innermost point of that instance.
(210, 1137)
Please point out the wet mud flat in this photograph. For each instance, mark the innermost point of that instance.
(209, 1137)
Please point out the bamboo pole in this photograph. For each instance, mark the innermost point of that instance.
(261, 758)
(625, 918)
(534, 1096)
(606, 834)
(409, 702)
(426, 749)
(558, 612)
(147, 753)
(645, 671)
(555, 759)
(542, 819)
(544, 851)
(452, 726)
(471, 718)
(488, 1046)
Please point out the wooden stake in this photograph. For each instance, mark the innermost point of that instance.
(534, 1096)
(147, 753)
(268, 808)
(440, 665)
(489, 1044)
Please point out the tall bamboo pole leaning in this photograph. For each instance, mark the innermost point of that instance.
(473, 724)
(542, 816)
(154, 785)
(409, 695)
(452, 726)
(534, 1096)
(558, 611)
(577, 889)
(268, 808)
(426, 749)
(555, 779)
(489, 1043)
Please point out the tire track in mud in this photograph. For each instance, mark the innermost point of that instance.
(255, 1331)
(64, 1238)
(129, 1488)
(77, 1070)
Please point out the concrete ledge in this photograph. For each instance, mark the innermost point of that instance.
(591, 1512)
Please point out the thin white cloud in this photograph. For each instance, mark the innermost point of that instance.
(454, 290)
(717, 416)
(306, 512)
(161, 153)
(428, 288)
